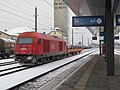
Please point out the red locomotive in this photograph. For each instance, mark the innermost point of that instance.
(33, 47)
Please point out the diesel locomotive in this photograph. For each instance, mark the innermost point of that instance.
(34, 48)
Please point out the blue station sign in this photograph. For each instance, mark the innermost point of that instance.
(117, 20)
(116, 37)
(101, 33)
(83, 21)
(94, 38)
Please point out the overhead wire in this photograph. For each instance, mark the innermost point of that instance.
(9, 23)
(17, 6)
(20, 16)
(59, 13)
(45, 15)
(25, 10)
(38, 18)
(11, 8)
(13, 19)
(16, 15)
(15, 9)
(57, 10)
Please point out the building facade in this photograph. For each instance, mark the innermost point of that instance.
(58, 34)
(61, 17)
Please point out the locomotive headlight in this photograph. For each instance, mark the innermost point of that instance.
(30, 58)
(30, 52)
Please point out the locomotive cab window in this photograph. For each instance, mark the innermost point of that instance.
(39, 40)
(24, 40)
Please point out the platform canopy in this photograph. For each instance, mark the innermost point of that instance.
(92, 8)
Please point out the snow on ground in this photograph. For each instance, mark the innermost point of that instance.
(22, 76)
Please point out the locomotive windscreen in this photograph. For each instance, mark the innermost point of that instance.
(24, 40)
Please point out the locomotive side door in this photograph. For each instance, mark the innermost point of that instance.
(39, 46)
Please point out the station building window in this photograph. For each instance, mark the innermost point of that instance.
(60, 7)
(60, 3)
(64, 7)
(56, 3)
(63, 3)
(56, 7)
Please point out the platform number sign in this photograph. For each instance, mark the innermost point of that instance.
(116, 37)
(101, 33)
(94, 38)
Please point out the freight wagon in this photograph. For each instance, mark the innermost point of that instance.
(6, 47)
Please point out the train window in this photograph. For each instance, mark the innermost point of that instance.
(24, 40)
(39, 40)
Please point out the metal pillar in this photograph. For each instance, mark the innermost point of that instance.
(35, 19)
(109, 32)
(100, 47)
(72, 37)
(88, 42)
(100, 41)
(78, 8)
(82, 41)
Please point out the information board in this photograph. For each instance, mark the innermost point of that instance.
(117, 20)
(81, 21)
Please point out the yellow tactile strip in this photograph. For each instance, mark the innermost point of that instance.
(83, 80)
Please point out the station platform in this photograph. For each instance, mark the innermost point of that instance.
(93, 76)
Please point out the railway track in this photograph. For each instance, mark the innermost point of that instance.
(8, 63)
(35, 80)
(10, 69)
(25, 73)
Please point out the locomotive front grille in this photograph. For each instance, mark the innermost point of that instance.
(22, 57)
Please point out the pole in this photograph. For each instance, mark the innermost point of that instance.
(72, 37)
(100, 40)
(109, 38)
(35, 19)
(82, 41)
(88, 42)
(78, 8)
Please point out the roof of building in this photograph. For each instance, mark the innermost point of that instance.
(16, 31)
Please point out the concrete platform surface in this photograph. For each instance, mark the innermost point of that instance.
(93, 76)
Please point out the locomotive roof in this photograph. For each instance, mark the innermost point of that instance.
(40, 35)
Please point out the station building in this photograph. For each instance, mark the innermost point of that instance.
(61, 17)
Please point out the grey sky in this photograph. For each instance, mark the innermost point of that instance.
(20, 13)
